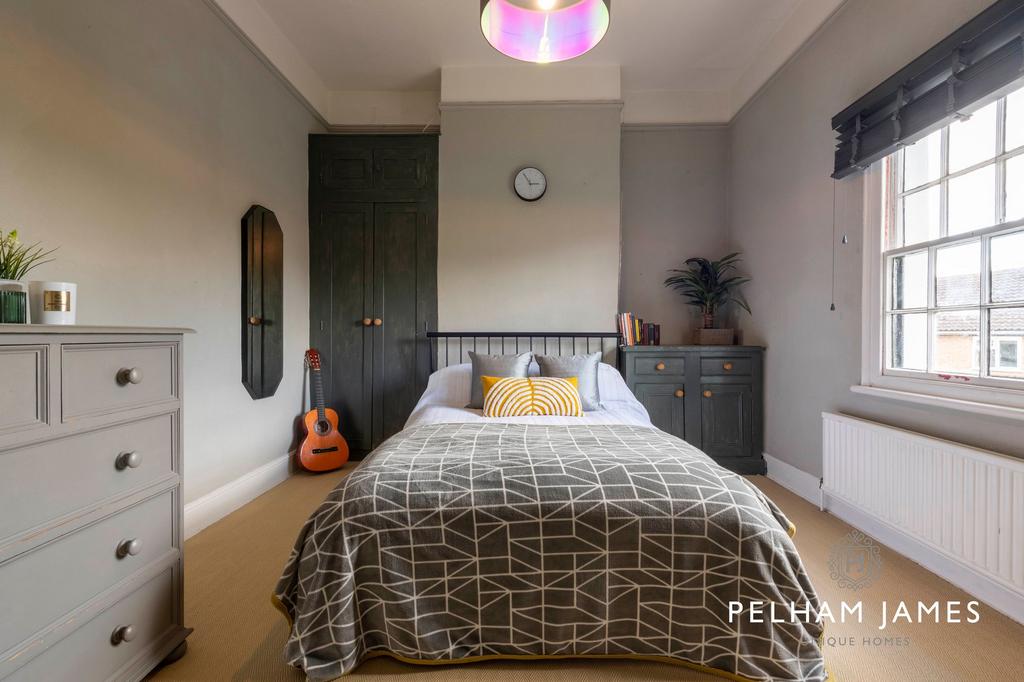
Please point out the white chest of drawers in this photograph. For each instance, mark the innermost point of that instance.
(91, 573)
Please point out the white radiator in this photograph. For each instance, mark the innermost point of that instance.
(964, 503)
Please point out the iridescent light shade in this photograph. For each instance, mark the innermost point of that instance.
(544, 31)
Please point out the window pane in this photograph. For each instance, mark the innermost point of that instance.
(909, 280)
(1008, 268)
(958, 274)
(921, 216)
(973, 140)
(1006, 330)
(955, 342)
(922, 161)
(972, 200)
(1015, 188)
(1015, 120)
(908, 346)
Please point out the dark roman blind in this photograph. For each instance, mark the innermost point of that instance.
(974, 65)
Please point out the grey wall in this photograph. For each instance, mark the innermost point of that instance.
(674, 206)
(135, 134)
(506, 264)
(781, 217)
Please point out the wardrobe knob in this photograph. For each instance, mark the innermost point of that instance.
(727, 367)
(127, 376)
(660, 366)
(128, 460)
(123, 633)
(707, 394)
(680, 393)
(129, 548)
(377, 322)
(367, 322)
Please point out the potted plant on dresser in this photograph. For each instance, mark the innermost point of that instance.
(16, 261)
(709, 285)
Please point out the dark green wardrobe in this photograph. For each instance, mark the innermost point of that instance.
(373, 276)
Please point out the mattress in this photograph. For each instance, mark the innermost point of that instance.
(458, 542)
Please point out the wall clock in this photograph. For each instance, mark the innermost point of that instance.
(530, 184)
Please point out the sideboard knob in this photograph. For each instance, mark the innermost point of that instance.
(129, 548)
(660, 366)
(128, 460)
(131, 375)
(122, 633)
(707, 394)
(680, 393)
(727, 367)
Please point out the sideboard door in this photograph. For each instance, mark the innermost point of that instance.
(726, 420)
(665, 408)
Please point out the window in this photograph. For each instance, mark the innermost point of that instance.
(950, 280)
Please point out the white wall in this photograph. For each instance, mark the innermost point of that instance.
(781, 217)
(674, 207)
(135, 134)
(506, 264)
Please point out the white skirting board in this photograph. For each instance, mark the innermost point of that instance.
(993, 593)
(219, 503)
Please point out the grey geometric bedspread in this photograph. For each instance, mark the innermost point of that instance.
(461, 541)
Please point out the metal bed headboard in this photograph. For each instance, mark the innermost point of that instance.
(443, 345)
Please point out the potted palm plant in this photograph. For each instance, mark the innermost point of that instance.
(709, 285)
(16, 261)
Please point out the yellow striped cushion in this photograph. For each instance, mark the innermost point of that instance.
(516, 397)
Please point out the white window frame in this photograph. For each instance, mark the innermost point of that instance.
(991, 397)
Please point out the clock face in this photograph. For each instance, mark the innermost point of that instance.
(530, 184)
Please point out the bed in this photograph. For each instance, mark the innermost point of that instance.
(464, 538)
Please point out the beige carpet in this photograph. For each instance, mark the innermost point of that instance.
(232, 566)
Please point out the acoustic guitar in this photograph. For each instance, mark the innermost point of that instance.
(324, 448)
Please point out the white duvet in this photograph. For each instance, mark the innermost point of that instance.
(444, 402)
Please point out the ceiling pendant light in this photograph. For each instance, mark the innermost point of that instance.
(544, 31)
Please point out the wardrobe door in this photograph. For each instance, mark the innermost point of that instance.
(341, 249)
(400, 233)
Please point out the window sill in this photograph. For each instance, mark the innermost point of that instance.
(958, 404)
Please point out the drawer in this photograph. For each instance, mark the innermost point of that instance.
(23, 389)
(46, 481)
(90, 652)
(99, 379)
(659, 366)
(40, 586)
(725, 366)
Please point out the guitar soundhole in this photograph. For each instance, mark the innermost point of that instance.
(322, 427)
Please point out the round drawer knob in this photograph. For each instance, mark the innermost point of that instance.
(129, 376)
(727, 367)
(129, 548)
(123, 633)
(707, 394)
(377, 322)
(255, 321)
(680, 393)
(128, 460)
(367, 322)
(660, 366)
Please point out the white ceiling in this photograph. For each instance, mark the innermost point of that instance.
(720, 49)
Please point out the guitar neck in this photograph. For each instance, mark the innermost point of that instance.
(317, 389)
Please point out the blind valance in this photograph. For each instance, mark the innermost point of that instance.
(974, 65)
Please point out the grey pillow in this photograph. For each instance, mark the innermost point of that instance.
(494, 366)
(583, 367)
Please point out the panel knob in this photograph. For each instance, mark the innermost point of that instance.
(255, 321)
(128, 460)
(127, 376)
(367, 322)
(707, 394)
(129, 548)
(680, 393)
(377, 322)
(122, 633)
(727, 367)
(660, 366)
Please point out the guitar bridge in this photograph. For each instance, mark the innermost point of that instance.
(320, 451)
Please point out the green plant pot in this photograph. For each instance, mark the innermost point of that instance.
(13, 307)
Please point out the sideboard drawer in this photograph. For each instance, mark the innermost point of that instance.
(90, 652)
(103, 378)
(80, 565)
(659, 366)
(23, 387)
(725, 366)
(47, 481)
